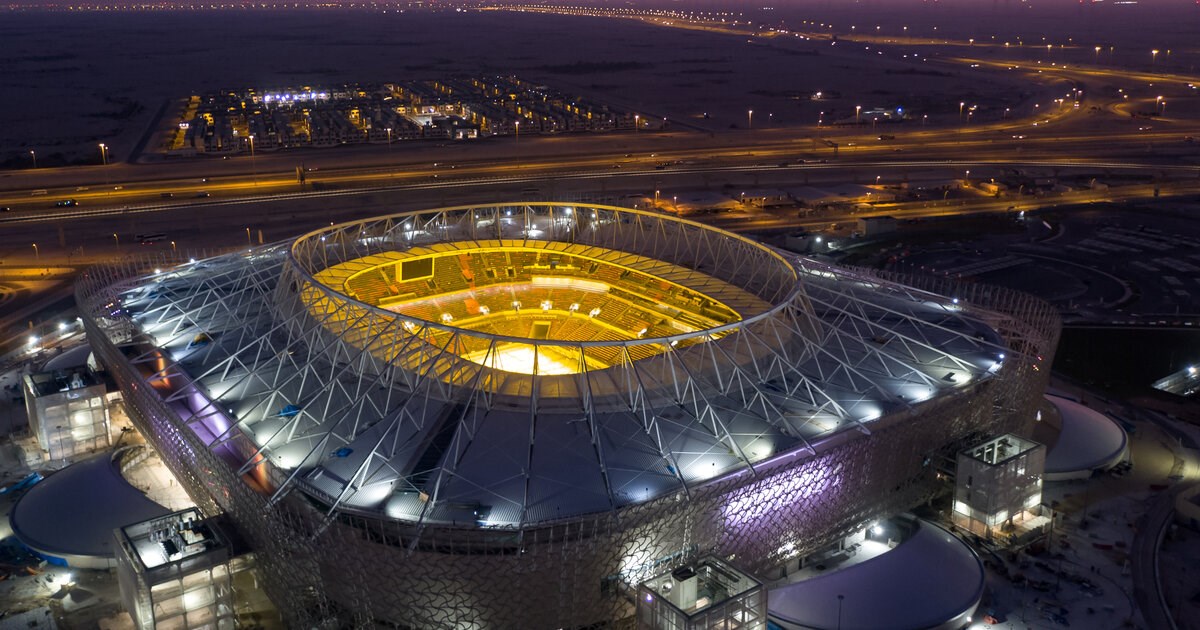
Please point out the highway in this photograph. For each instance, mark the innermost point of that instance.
(218, 202)
(1068, 137)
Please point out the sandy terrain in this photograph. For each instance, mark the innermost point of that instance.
(96, 77)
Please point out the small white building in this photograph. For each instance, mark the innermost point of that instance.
(707, 594)
(182, 572)
(68, 411)
(998, 488)
(874, 226)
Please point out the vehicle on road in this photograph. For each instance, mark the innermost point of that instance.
(66, 203)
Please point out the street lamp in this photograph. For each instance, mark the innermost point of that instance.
(517, 132)
(1097, 54)
(33, 154)
(750, 118)
(37, 254)
(103, 154)
(389, 132)
(116, 239)
(1158, 102)
(857, 111)
(1153, 56)
(248, 241)
(960, 108)
(173, 250)
(253, 164)
(637, 118)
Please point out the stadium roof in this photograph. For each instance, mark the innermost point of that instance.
(368, 410)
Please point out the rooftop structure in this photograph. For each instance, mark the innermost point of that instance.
(1185, 382)
(708, 594)
(69, 517)
(396, 411)
(177, 571)
(998, 487)
(68, 411)
(900, 574)
(1083, 442)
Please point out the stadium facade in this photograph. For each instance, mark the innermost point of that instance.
(509, 415)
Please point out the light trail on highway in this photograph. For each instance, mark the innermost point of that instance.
(472, 182)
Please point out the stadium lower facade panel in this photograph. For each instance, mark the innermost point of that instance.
(510, 415)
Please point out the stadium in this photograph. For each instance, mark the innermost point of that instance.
(509, 415)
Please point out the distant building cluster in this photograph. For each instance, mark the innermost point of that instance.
(252, 120)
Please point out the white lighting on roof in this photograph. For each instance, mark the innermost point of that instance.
(870, 412)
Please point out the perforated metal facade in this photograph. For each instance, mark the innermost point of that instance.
(288, 404)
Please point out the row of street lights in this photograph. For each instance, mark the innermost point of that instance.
(103, 155)
(37, 252)
(750, 119)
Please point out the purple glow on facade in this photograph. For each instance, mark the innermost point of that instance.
(208, 422)
(777, 492)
